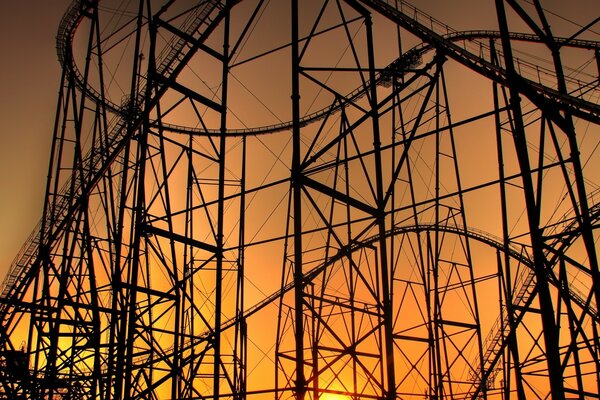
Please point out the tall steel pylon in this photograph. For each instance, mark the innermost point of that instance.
(308, 199)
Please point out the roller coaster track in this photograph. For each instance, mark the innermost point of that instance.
(444, 38)
(524, 289)
(409, 17)
(516, 252)
(496, 337)
(406, 62)
(24, 264)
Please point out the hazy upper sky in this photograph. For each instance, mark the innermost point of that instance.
(29, 79)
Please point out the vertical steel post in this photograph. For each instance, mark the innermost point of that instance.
(300, 384)
(388, 319)
(512, 344)
(240, 327)
(125, 348)
(546, 307)
(221, 207)
(584, 210)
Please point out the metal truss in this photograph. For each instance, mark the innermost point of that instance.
(312, 200)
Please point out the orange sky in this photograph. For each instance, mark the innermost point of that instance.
(29, 81)
(30, 78)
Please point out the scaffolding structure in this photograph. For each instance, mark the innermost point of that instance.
(324, 199)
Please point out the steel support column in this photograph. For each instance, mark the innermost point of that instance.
(546, 306)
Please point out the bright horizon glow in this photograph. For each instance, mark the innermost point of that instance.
(334, 396)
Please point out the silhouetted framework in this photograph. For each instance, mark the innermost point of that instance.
(308, 199)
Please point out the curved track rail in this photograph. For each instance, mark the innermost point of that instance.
(525, 288)
(16, 279)
(75, 14)
(404, 15)
(457, 45)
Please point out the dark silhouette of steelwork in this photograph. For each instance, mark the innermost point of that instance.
(303, 199)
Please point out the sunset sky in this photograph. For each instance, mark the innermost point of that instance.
(30, 77)
(29, 83)
(444, 161)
